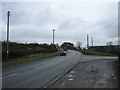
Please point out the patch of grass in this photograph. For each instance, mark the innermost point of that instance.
(88, 52)
(29, 58)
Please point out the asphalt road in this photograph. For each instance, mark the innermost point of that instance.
(37, 74)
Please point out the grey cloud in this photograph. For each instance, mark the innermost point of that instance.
(34, 22)
(33, 33)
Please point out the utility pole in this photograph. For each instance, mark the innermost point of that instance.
(8, 14)
(53, 36)
(87, 41)
(92, 41)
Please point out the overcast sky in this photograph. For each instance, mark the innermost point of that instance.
(72, 21)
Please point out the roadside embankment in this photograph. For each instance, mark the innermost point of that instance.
(89, 52)
(29, 58)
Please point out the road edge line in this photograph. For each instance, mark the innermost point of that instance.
(50, 83)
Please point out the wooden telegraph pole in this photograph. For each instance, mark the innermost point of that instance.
(8, 15)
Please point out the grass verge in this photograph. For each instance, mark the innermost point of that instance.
(29, 58)
(88, 52)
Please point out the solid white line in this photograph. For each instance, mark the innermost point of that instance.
(9, 76)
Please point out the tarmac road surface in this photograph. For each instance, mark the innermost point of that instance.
(36, 74)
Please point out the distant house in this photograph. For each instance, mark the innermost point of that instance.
(68, 45)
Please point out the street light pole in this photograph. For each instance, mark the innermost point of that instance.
(53, 36)
(8, 14)
(92, 41)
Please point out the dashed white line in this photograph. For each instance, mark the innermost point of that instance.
(9, 76)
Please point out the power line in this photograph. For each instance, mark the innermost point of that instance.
(92, 41)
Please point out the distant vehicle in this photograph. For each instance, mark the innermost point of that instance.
(65, 48)
(63, 52)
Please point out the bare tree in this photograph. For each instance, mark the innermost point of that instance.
(79, 44)
(109, 43)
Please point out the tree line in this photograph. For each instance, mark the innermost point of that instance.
(20, 49)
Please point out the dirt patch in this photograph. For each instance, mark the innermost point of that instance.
(91, 72)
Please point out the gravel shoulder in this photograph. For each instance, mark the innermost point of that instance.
(91, 72)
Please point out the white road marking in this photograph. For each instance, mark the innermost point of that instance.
(9, 76)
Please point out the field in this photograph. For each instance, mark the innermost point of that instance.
(88, 52)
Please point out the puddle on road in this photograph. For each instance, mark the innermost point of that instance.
(72, 72)
(70, 79)
(69, 76)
